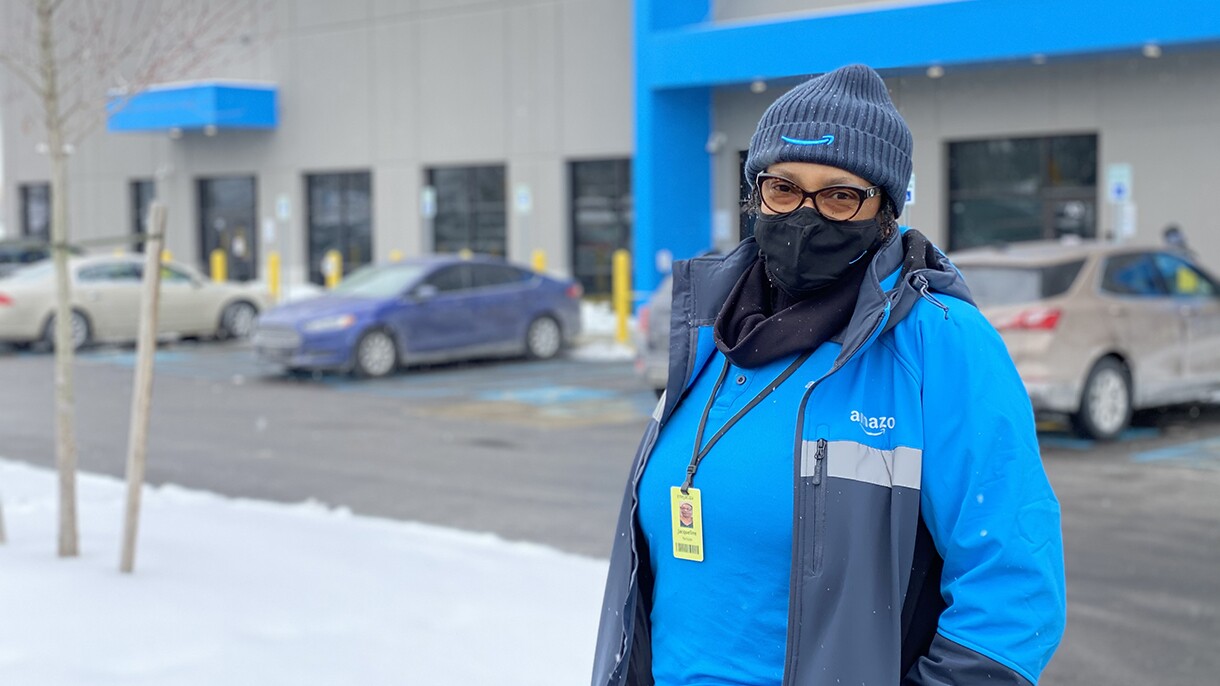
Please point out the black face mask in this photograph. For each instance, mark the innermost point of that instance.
(803, 251)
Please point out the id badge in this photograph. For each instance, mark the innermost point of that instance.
(687, 514)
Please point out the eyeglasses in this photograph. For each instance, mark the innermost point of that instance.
(836, 203)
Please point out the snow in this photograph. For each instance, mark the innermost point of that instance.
(238, 592)
(597, 341)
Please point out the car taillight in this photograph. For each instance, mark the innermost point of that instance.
(575, 291)
(641, 318)
(1034, 319)
(5, 300)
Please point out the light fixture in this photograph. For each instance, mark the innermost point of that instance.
(175, 133)
(936, 71)
(209, 130)
(1038, 58)
(758, 86)
(1152, 50)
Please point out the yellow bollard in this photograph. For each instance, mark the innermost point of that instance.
(465, 253)
(167, 256)
(396, 255)
(220, 266)
(273, 275)
(621, 287)
(538, 260)
(332, 268)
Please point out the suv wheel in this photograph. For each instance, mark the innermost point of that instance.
(1105, 403)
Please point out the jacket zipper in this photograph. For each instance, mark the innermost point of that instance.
(819, 504)
(798, 540)
(794, 600)
(818, 456)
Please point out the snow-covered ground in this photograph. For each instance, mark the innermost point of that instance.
(597, 338)
(234, 592)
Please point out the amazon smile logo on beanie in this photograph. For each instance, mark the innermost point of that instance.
(824, 140)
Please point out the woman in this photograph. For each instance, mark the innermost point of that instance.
(850, 436)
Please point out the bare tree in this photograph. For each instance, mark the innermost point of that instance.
(76, 58)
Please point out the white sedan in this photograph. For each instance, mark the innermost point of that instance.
(106, 303)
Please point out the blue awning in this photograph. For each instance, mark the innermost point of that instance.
(213, 105)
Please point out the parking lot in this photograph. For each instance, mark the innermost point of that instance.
(537, 451)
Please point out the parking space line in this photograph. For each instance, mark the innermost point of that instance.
(1070, 442)
(1203, 453)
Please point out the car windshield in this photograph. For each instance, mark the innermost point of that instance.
(34, 271)
(994, 286)
(379, 281)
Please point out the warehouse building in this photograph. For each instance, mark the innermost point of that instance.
(573, 128)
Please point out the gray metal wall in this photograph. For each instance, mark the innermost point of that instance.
(1161, 116)
(393, 87)
(398, 86)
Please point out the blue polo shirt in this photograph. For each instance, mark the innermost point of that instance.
(724, 620)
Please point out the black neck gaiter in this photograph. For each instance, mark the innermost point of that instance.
(760, 323)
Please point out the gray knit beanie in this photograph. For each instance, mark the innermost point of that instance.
(843, 119)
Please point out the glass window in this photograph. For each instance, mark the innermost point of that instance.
(603, 213)
(143, 192)
(36, 210)
(1019, 189)
(449, 279)
(173, 275)
(340, 218)
(1182, 278)
(471, 212)
(1132, 274)
(486, 275)
(994, 286)
(379, 281)
(991, 220)
(1007, 165)
(227, 212)
(109, 271)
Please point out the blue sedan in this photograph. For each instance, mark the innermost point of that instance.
(427, 309)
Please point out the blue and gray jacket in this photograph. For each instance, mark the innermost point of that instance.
(920, 433)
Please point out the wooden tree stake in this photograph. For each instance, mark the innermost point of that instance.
(141, 392)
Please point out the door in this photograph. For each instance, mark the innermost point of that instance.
(1197, 298)
(436, 317)
(340, 218)
(498, 299)
(109, 293)
(471, 211)
(602, 218)
(227, 220)
(183, 309)
(1149, 326)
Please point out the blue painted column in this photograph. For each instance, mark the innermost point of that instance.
(671, 179)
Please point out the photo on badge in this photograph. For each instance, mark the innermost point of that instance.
(687, 513)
